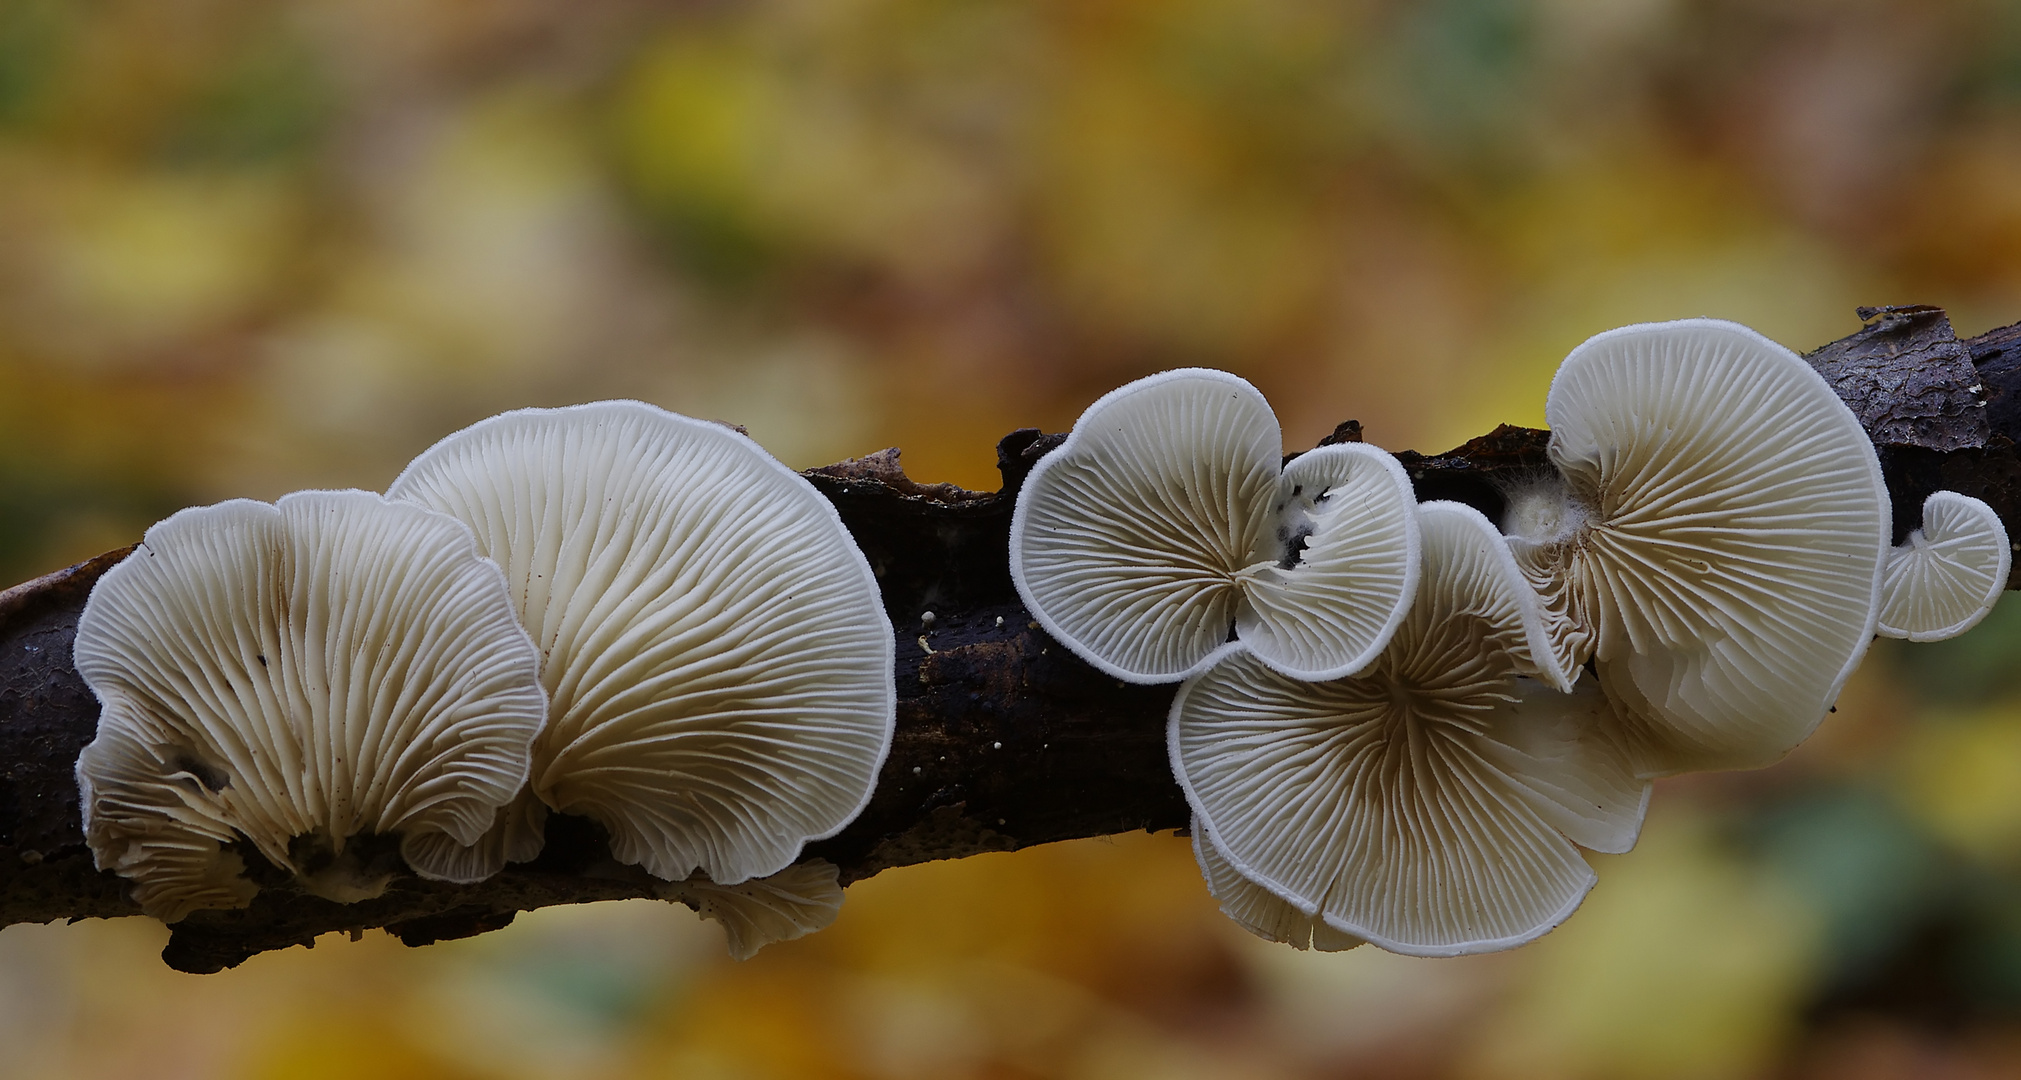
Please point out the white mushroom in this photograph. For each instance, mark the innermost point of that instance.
(792, 903)
(1165, 531)
(1434, 804)
(304, 677)
(1714, 540)
(1947, 575)
(714, 645)
(1260, 911)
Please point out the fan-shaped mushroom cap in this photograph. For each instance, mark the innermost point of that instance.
(792, 903)
(1260, 911)
(1717, 542)
(1947, 575)
(1430, 805)
(714, 644)
(301, 675)
(1165, 520)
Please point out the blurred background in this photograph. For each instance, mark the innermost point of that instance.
(248, 247)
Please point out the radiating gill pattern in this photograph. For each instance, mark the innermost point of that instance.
(715, 645)
(1431, 804)
(1947, 575)
(1258, 910)
(1129, 537)
(1165, 526)
(300, 675)
(1331, 613)
(1728, 568)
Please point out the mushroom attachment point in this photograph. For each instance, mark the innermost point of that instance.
(1713, 540)
(1434, 804)
(1165, 531)
(1946, 576)
(713, 643)
(307, 678)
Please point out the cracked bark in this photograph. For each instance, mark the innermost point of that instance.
(1004, 739)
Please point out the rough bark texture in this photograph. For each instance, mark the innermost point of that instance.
(1909, 380)
(1004, 739)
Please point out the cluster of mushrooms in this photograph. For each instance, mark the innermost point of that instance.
(607, 610)
(1398, 723)
(1395, 723)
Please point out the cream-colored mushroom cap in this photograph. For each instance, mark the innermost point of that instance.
(714, 644)
(1260, 911)
(1165, 521)
(300, 676)
(1434, 804)
(1716, 541)
(1947, 575)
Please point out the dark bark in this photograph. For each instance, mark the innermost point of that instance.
(1004, 739)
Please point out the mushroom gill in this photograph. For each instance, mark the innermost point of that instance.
(1257, 909)
(1433, 804)
(304, 677)
(1947, 575)
(1165, 532)
(714, 645)
(1713, 541)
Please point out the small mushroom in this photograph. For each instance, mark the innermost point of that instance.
(307, 677)
(1432, 805)
(1260, 911)
(714, 644)
(1946, 576)
(792, 903)
(1165, 531)
(1713, 540)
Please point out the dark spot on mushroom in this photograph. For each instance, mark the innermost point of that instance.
(1294, 542)
(262, 657)
(364, 857)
